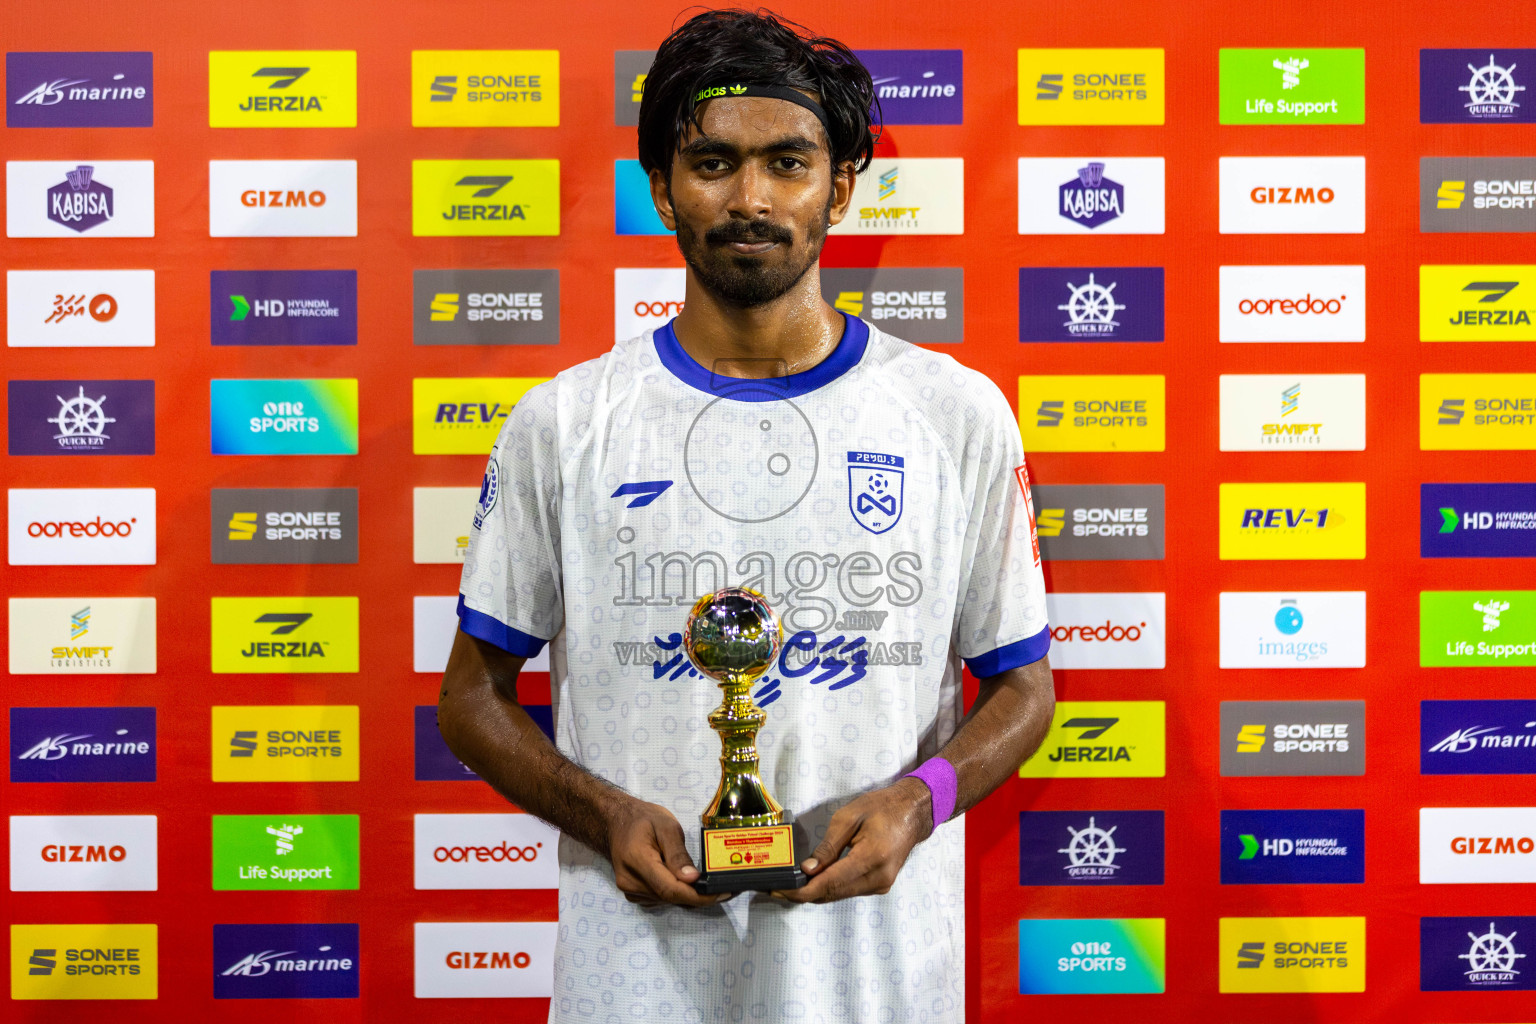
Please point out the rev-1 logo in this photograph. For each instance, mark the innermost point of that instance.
(485, 186)
(1271, 518)
(470, 413)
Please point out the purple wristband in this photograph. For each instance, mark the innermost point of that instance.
(939, 776)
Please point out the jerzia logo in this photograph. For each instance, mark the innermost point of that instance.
(1477, 303)
(294, 88)
(80, 203)
(1097, 739)
(244, 627)
(485, 197)
(1475, 86)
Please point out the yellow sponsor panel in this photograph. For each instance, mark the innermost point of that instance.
(1477, 302)
(85, 961)
(285, 743)
(282, 89)
(485, 88)
(1292, 520)
(485, 197)
(285, 634)
(1100, 739)
(462, 415)
(1292, 954)
(1093, 413)
(1477, 411)
(1091, 86)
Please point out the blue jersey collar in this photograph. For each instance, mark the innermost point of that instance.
(849, 350)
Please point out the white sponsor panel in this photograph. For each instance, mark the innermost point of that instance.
(1477, 845)
(84, 853)
(1293, 303)
(435, 621)
(1131, 185)
(81, 526)
(644, 298)
(282, 198)
(34, 189)
(1292, 195)
(907, 196)
(1313, 412)
(80, 308)
(485, 959)
(1293, 629)
(1108, 630)
(441, 518)
(486, 851)
(81, 635)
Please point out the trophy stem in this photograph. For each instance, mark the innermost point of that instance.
(741, 799)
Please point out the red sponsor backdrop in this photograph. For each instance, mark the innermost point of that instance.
(180, 33)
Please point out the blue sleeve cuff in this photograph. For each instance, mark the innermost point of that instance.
(1021, 652)
(493, 631)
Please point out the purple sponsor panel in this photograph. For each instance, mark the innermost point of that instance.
(436, 763)
(81, 417)
(82, 744)
(1477, 737)
(285, 961)
(283, 307)
(1486, 85)
(1091, 848)
(1477, 520)
(1091, 304)
(1491, 953)
(917, 86)
(79, 90)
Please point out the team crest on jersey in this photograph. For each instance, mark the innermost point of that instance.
(875, 486)
(490, 487)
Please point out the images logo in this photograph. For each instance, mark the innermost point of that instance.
(1288, 195)
(1477, 520)
(1291, 738)
(485, 197)
(282, 88)
(917, 86)
(1503, 407)
(1324, 86)
(284, 417)
(1091, 86)
(1477, 845)
(283, 307)
(1091, 304)
(923, 305)
(1091, 849)
(909, 196)
(1475, 954)
(1099, 522)
(491, 959)
(82, 526)
(486, 307)
(82, 635)
(282, 199)
(463, 415)
(284, 526)
(485, 851)
(294, 851)
(1477, 303)
(285, 961)
(1292, 954)
(1108, 630)
(1101, 739)
(285, 743)
(1108, 413)
(1476, 627)
(485, 88)
(82, 744)
(1081, 956)
(81, 417)
(1474, 86)
(1292, 847)
(102, 199)
(1293, 629)
(1292, 520)
(1314, 412)
(1482, 194)
(315, 634)
(1477, 737)
(84, 961)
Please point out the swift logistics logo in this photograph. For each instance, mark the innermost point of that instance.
(84, 853)
(81, 417)
(1292, 954)
(1292, 520)
(284, 634)
(485, 88)
(80, 90)
(1091, 86)
(485, 197)
(1092, 413)
(1477, 302)
(485, 851)
(282, 88)
(1090, 849)
(1293, 629)
(1091, 956)
(1483, 86)
(81, 526)
(85, 961)
(285, 743)
(1293, 847)
(1292, 738)
(1477, 520)
(484, 959)
(285, 961)
(1320, 412)
(80, 308)
(285, 852)
(1296, 86)
(462, 415)
(485, 307)
(1477, 627)
(284, 417)
(1477, 411)
(1292, 303)
(1127, 630)
(1481, 194)
(923, 305)
(282, 198)
(284, 526)
(1099, 522)
(917, 86)
(1102, 195)
(1292, 195)
(83, 744)
(1102, 739)
(1091, 304)
(62, 199)
(1477, 954)
(283, 307)
(908, 196)
(440, 523)
(1477, 845)
(82, 635)
(1477, 737)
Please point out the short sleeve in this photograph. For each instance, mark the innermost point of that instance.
(510, 591)
(1001, 621)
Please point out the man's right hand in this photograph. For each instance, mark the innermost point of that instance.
(651, 865)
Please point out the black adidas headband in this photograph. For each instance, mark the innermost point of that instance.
(776, 92)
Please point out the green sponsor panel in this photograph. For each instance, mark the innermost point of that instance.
(1305, 86)
(1477, 627)
(285, 851)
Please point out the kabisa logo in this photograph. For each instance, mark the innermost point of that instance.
(1284, 738)
(81, 202)
(1121, 412)
(293, 88)
(1292, 629)
(84, 853)
(924, 305)
(485, 88)
(80, 90)
(285, 743)
(1495, 845)
(1292, 954)
(1477, 737)
(486, 307)
(485, 197)
(1103, 195)
(1503, 408)
(1292, 521)
(875, 489)
(75, 417)
(485, 851)
(1091, 304)
(1092, 199)
(84, 961)
(1475, 86)
(484, 959)
(100, 199)
(1477, 520)
(1475, 954)
(82, 744)
(285, 961)
(1482, 194)
(909, 196)
(283, 307)
(1314, 86)
(284, 417)
(295, 851)
(917, 86)
(1091, 956)
(463, 415)
(1100, 739)
(1292, 847)
(284, 634)
(1090, 86)
(1473, 627)
(1091, 849)
(1477, 303)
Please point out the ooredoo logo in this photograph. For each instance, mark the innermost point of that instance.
(1292, 195)
(485, 851)
(645, 298)
(82, 526)
(1107, 630)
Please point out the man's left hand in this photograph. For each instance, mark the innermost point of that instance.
(878, 830)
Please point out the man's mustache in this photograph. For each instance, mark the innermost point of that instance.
(748, 231)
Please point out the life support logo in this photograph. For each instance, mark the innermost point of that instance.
(875, 489)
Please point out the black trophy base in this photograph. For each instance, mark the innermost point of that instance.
(772, 879)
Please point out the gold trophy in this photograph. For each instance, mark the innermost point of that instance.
(732, 636)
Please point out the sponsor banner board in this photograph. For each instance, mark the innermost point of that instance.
(1292, 954)
(486, 851)
(1324, 847)
(1093, 195)
(485, 88)
(84, 853)
(1099, 522)
(284, 417)
(78, 744)
(82, 635)
(80, 308)
(286, 851)
(80, 198)
(1091, 956)
(93, 89)
(485, 959)
(283, 307)
(1091, 304)
(1292, 303)
(1292, 737)
(82, 526)
(1477, 737)
(284, 525)
(81, 417)
(1102, 739)
(1292, 520)
(85, 961)
(485, 307)
(923, 305)
(1091, 848)
(285, 743)
(907, 196)
(1292, 195)
(1293, 629)
(282, 198)
(1107, 630)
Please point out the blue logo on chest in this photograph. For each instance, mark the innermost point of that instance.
(875, 489)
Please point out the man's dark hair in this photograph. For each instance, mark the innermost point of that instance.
(754, 48)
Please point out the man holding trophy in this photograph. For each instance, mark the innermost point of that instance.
(759, 541)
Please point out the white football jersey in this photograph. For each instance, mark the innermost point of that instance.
(878, 502)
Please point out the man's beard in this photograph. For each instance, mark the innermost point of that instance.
(748, 281)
